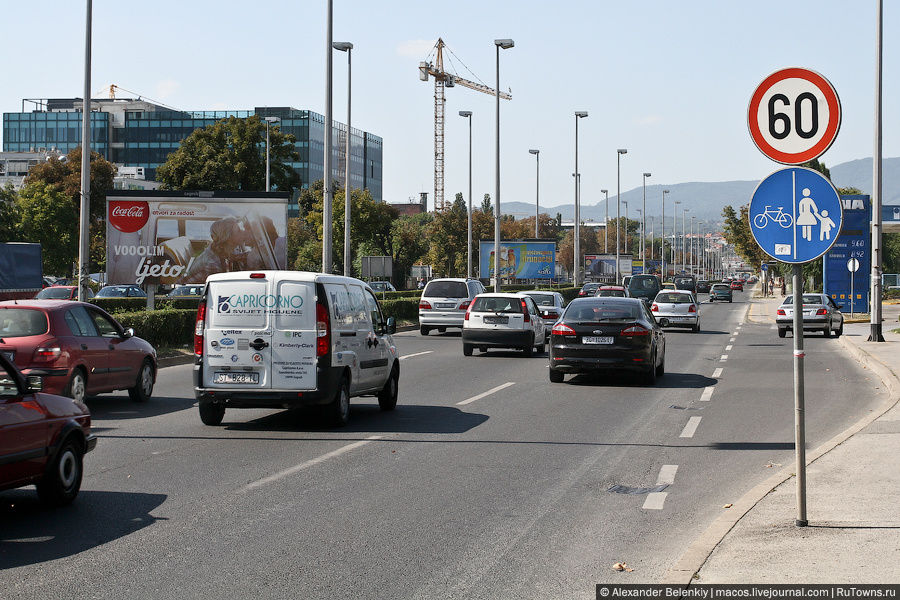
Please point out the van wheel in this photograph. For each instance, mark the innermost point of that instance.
(424, 330)
(211, 413)
(387, 397)
(467, 349)
(62, 479)
(143, 387)
(337, 412)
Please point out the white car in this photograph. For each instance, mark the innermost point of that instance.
(677, 308)
(444, 302)
(503, 321)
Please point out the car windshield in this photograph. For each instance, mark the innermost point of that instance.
(591, 312)
(610, 293)
(542, 299)
(21, 322)
(54, 293)
(685, 283)
(446, 289)
(590, 286)
(497, 304)
(807, 299)
(669, 298)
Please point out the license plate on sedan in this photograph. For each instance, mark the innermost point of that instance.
(597, 340)
(236, 378)
(496, 320)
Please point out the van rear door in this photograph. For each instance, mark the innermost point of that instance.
(294, 338)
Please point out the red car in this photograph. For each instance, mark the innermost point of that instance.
(737, 284)
(76, 348)
(43, 438)
(61, 292)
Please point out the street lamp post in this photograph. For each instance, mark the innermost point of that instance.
(625, 202)
(506, 44)
(537, 190)
(662, 240)
(348, 48)
(674, 232)
(327, 191)
(579, 114)
(84, 220)
(643, 224)
(606, 224)
(692, 244)
(684, 212)
(641, 235)
(269, 121)
(467, 114)
(619, 154)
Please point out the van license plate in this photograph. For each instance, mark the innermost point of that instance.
(236, 378)
(597, 340)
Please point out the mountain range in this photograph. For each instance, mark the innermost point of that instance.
(707, 199)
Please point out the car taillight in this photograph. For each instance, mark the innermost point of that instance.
(821, 311)
(46, 353)
(424, 305)
(525, 311)
(635, 331)
(655, 307)
(198, 329)
(465, 305)
(323, 330)
(562, 329)
(582, 293)
(692, 308)
(781, 312)
(467, 314)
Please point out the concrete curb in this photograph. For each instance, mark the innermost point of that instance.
(684, 570)
(171, 361)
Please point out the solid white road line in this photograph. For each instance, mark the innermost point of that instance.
(724, 358)
(691, 427)
(717, 373)
(655, 501)
(728, 347)
(305, 465)
(707, 394)
(416, 354)
(487, 393)
(667, 475)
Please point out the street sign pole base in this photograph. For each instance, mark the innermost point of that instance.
(801, 522)
(875, 333)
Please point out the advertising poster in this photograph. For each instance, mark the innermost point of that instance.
(602, 267)
(854, 241)
(173, 237)
(519, 259)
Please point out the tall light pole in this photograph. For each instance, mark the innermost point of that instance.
(579, 114)
(674, 232)
(684, 212)
(85, 209)
(619, 154)
(606, 224)
(662, 241)
(692, 243)
(625, 202)
(269, 121)
(348, 48)
(328, 190)
(643, 224)
(467, 114)
(641, 235)
(537, 190)
(875, 333)
(506, 44)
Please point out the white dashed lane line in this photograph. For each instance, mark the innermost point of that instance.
(487, 393)
(728, 347)
(717, 373)
(691, 427)
(656, 500)
(723, 358)
(731, 340)
(416, 354)
(667, 475)
(707, 394)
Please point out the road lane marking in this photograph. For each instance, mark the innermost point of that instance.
(312, 462)
(667, 475)
(487, 393)
(707, 394)
(416, 354)
(729, 347)
(731, 340)
(735, 333)
(655, 500)
(724, 357)
(691, 427)
(717, 373)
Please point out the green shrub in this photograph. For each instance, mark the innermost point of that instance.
(170, 328)
(416, 294)
(121, 305)
(402, 309)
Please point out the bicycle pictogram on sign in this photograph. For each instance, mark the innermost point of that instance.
(779, 216)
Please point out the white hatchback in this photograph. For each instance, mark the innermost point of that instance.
(677, 308)
(503, 321)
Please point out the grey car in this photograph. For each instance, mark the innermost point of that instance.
(551, 305)
(820, 313)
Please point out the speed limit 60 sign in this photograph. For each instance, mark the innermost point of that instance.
(794, 116)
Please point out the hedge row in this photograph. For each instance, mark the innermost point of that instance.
(121, 305)
(402, 309)
(169, 328)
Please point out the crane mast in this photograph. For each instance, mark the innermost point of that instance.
(442, 80)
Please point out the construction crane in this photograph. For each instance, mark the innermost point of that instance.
(444, 79)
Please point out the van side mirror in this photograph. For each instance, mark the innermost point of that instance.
(391, 325)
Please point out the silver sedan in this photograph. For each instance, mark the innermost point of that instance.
(820, 313)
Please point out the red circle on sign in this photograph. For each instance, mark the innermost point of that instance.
(834, 116)
(128, 215)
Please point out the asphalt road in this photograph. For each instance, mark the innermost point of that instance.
(487, 481)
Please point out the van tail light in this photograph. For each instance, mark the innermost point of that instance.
(525, 312)
(635, 331)
(198, 329)
(821, 311)
(323, 330)
(562, 329)
(655, 307)
(781, 312)
(692, 309)
(465, 305)
(424, 305)
(47, 353)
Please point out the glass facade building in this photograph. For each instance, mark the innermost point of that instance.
(137, 133)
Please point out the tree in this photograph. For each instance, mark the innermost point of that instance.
(448, 236)
(231, 155)
(737, 233)
(486, 206)
(65, 176)
(408, 244)
(9, 214)
(47, 218)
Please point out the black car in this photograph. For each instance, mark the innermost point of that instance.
(645, 287)
(605, 334)
(703, 286)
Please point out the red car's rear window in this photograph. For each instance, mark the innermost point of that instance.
(22, 322)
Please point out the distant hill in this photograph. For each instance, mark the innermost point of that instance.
(707, 199)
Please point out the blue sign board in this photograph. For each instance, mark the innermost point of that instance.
(890, 213)
(795, 215)
(854, 241)
(519, 259)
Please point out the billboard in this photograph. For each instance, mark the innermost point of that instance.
(159, 237)
(602, 267)
(854, 241)
(519, 259)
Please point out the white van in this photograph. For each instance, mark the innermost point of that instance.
(283, 339)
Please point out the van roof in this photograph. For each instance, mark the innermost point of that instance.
(291, 275)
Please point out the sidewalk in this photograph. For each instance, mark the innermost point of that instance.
(853, 482)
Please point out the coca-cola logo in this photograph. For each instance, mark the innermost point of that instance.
(128, 216)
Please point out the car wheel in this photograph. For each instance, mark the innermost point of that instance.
(467, 349)
(650, 375)
(729, 300)
(211, 413)
(556, 376)
(782, 332)
(337, 412)
(528, 349)
(541, 346)
(387, 397)
(143, 387)
(424, 330)
(840, 330)
(77, 388)
(62, 479)
(442, 330)
(827, 330)
(661, 369)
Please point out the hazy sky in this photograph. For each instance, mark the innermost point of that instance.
(669, 80)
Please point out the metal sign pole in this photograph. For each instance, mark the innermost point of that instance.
(852, 277)
(799, 400)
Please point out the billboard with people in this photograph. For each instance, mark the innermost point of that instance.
(162, 237)
(519, 259)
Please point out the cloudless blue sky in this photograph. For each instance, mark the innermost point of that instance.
(669, 80)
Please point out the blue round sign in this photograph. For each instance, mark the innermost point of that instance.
(795, 215)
